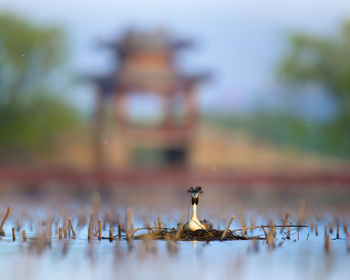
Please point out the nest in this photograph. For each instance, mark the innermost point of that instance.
(198, 235)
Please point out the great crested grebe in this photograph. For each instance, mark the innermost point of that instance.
(194, 223)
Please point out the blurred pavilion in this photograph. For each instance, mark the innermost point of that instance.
(145, 64)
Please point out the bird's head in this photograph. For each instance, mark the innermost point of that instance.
(195, 194)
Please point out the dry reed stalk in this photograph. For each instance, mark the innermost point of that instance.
(119, 232)
(92, 217)
(252, 224)
(227, 227)
(128, 219)
(130, 234)
(90, 231)
(337, 231)
(266, 235)
(148, 226)
(72, 229)
(160, 224)
(117, 219)
(312, 225)
(65, 228)
(49, 228)
(325, 230)
(2, 232)
(273, 229)
(285, 221)
(99, 230)
(68, 230)
(243, 225)
(327, 245)
(316, 230)
(271, 237)
(13, 234)
(331, 227)
(24, 236)
(111, 234)
(60, 233)
(179, 230)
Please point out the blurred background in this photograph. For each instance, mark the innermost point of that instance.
(189, 92)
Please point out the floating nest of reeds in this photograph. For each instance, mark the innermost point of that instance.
(183, 234)
(198, 235)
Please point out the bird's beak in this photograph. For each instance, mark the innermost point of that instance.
(194, 195)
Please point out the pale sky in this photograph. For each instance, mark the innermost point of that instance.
(239, 41)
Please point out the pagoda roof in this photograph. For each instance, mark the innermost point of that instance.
(157, 40)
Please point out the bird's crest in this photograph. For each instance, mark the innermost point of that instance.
(198, 189)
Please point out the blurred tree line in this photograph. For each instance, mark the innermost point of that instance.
(321, 60)
(325, 61)
(32, 114)
(309, 59)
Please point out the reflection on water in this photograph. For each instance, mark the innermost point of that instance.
(216, 260)
(303, 256)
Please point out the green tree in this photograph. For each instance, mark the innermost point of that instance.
(28, 55)
(323, 60)
(31, 114)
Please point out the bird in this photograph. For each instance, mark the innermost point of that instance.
(195, 224)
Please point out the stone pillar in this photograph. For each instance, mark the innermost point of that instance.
(191, 106)
(168, 109)
(121, 109)
(98, 130)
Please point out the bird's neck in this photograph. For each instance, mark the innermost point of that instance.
(194, 211)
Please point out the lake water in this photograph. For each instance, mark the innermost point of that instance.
(302, 257)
